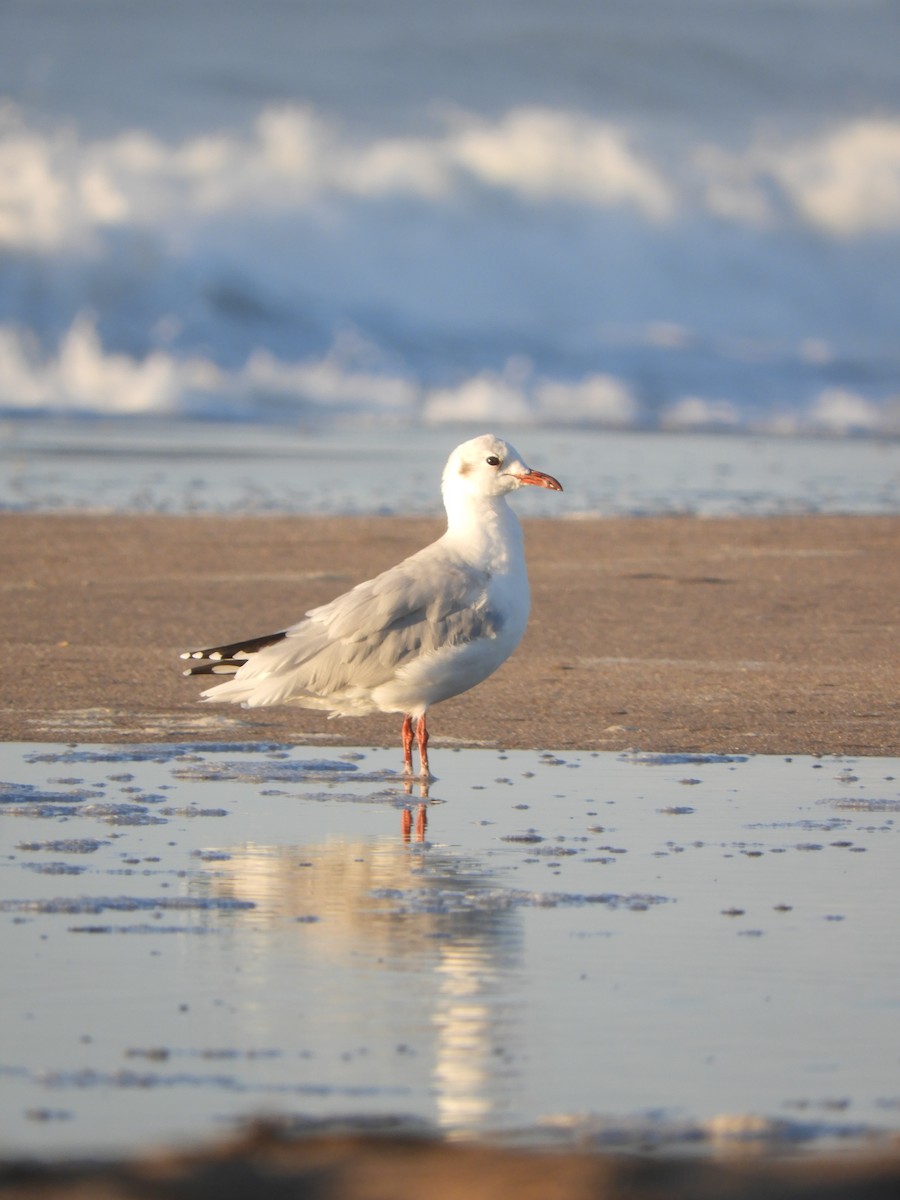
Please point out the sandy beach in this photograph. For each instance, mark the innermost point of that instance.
(775, 636)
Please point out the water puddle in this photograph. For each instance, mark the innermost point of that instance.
(615, 949)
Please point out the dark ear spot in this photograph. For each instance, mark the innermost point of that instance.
(465, 468)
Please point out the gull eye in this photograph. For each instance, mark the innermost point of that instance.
(492, 460)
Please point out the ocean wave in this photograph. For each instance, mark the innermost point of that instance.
(57, 189)
(85, 378)
(540, 267)
(844, 183)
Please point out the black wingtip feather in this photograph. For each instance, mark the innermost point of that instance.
(220, 667)
(226, 655)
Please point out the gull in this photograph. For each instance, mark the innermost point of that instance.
(431, 627)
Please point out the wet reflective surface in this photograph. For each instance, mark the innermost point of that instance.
(141, 465)
(616, 947)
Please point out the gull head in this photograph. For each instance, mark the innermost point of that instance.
(487, 466)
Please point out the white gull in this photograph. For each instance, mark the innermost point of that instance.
(433, 626)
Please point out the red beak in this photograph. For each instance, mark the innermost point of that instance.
(539, 479)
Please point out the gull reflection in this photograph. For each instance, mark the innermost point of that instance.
(422, 784)
(406, 823)
(428, 920)
(465, 1018)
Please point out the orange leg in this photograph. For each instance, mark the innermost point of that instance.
(406, 735)
(422, 739)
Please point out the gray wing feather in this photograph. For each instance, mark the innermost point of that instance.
(363, 637)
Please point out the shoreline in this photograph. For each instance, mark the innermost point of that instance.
(773, 635)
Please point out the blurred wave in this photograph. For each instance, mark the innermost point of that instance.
(585, 219)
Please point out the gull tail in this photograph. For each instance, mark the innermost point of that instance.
(227, 659)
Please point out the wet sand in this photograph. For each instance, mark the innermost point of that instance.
(774, 635)
(267, 1162)
(770, 636)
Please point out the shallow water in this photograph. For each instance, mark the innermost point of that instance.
(631, 949)
(179, 467)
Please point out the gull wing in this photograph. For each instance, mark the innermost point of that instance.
(360, 640)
